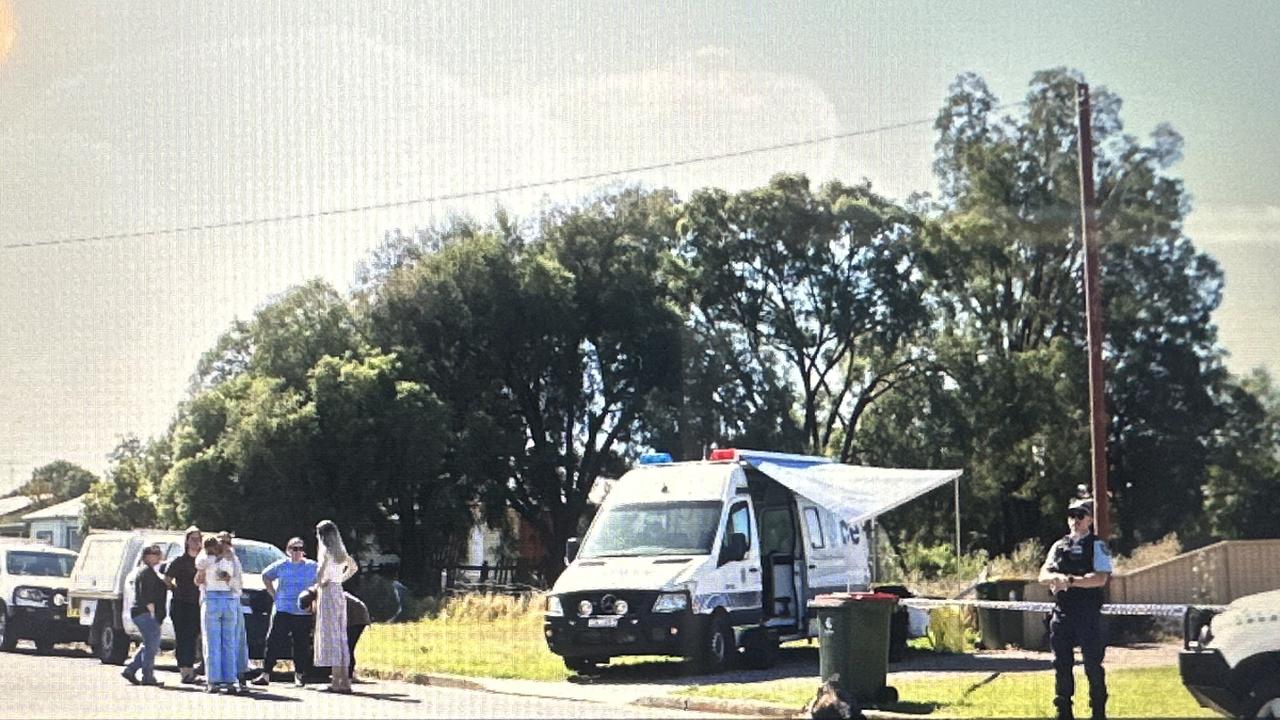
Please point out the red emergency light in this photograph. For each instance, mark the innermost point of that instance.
(724, 454)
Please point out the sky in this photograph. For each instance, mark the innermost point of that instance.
(127, 118)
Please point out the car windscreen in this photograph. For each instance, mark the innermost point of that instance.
(38, 563)
(255, 558)
(666, 528)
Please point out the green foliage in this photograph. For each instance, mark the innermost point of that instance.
(124, 499)
(1011, 405)
(58, 481)
(1244, 477)
(512, 363)
(818, 292)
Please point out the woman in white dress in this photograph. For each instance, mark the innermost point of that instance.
(334, 567)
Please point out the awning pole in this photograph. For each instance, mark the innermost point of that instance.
(956, 485)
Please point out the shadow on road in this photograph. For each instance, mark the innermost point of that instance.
(389, 697)
(254, 695)
(55, 651)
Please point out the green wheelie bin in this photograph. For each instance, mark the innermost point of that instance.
(1001, 628)
(853, 641)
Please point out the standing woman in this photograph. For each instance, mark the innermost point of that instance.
(184, 608)
(335, 567)
(242, 638)
(221, 651)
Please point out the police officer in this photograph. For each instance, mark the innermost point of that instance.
(1076, 570)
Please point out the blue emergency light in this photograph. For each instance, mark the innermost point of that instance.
(655, 458)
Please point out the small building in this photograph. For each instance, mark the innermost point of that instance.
(58, 525)
(11, 510)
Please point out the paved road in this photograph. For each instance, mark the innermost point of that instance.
(70, 684)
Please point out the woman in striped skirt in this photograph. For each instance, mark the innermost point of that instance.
(334, 567)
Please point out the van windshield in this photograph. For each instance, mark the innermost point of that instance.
(38, 563)
(667, 528)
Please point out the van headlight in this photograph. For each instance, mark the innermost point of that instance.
(554, 608)
(671, 602)
(29, 597)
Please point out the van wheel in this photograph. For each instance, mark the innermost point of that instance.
(760, 649)
(112, 646)
(8, 641)
(1263, 701)
(717, 647)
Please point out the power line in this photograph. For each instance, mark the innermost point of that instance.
(245, 222)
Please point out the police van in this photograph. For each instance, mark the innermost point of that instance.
(717, 560)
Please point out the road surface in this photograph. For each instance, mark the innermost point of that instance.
(68, 683)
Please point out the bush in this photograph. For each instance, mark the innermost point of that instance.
(1146, 554)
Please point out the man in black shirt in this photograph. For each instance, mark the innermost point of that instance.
(149, 594)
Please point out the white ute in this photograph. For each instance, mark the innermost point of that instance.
(717, 560)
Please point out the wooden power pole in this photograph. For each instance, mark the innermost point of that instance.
(1093, 316)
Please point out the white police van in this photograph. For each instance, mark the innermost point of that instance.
(717, 560)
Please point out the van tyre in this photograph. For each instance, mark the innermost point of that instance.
(111, 644)
(760, 649)
(718, 647)
(1263, 700)
(8, 640)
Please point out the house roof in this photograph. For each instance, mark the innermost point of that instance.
(11, 505)
(68, 509)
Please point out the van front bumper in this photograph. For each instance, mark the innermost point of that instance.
(643, 634)
(45, 624)
(1207, 677)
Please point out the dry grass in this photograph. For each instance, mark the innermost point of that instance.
(475, 635)
(1163, 549)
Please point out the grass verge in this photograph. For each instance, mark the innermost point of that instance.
(1135, 692)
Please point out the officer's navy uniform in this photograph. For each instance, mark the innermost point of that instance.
(1076, 621)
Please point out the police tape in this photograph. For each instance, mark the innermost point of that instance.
(1155, 609)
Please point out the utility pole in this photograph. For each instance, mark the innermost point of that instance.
(1093, 315)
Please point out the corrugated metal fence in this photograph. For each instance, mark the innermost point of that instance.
(1213, 575)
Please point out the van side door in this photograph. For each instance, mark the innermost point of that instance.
(824, 562)
(735, 584)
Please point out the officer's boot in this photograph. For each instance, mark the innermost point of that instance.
(1064, 708)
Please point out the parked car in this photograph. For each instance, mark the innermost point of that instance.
(99, 596)
(33, 595)
(1231, 660)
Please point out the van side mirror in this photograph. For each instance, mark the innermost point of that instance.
(735, 549)
(570, 550)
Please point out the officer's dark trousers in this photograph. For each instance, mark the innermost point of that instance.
(286, 627)
(1066, 632)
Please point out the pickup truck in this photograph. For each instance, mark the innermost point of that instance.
(99, 596)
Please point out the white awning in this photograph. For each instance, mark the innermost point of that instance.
(854, 493)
